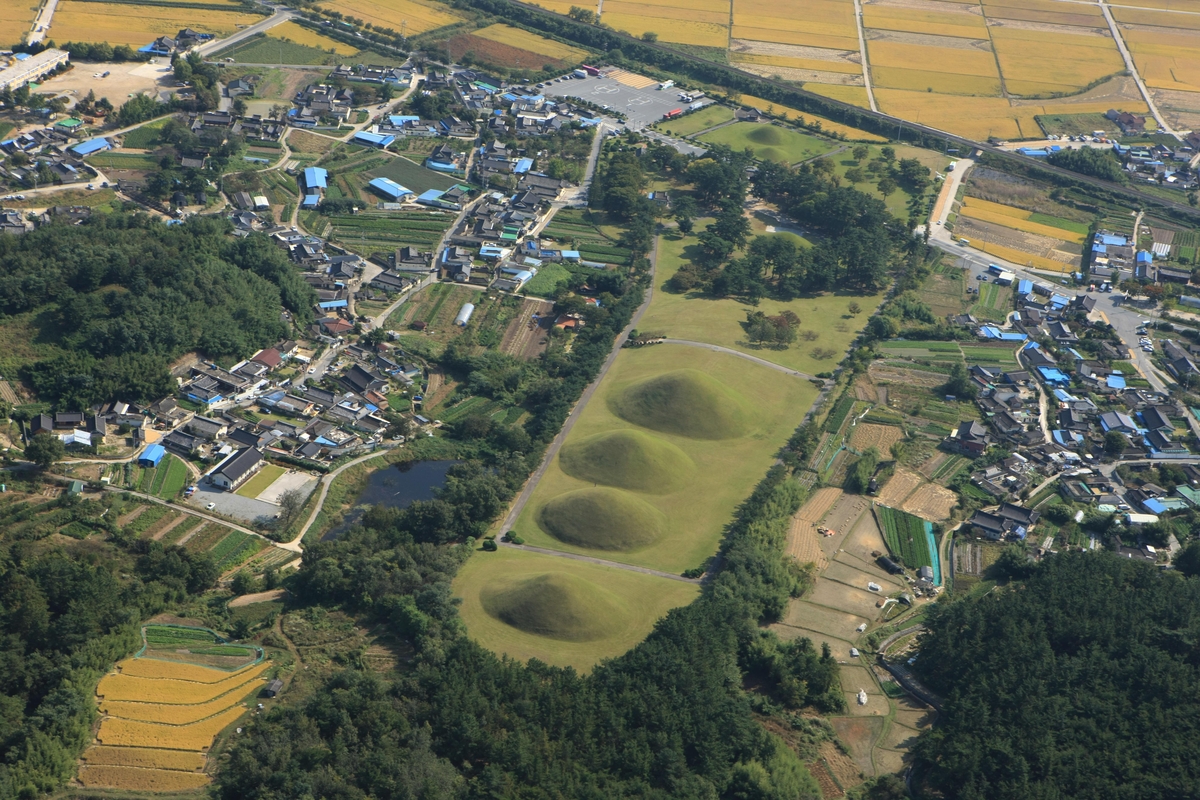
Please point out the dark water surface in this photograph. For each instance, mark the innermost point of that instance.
(395, 487)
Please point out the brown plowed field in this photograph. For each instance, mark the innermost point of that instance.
(819, 504)
(899, 487)
(931, 502)
(490, 52)
(803, 544)
(881, 437)
(843, 769)
(525, 338)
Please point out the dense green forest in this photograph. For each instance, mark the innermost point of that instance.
(123, 294)
(1081, 681)
(67, 612)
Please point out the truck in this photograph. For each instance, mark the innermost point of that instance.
(1005, 278)
(696, 105)
(665, 85)
(964, 242)
(579, 73)
(673, 113)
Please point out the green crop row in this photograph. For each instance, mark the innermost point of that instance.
(179, 531)
(249, 548)
(905, 536)
(837, 416)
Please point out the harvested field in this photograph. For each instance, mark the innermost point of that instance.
(931, 502)
(840, 765)
(144, 757)
(197, 736)
(790, 64)
(294, 32)
(859, 735)
(415, 16)
(839, 624)
(890, 373)
(1031, 250)
(143, 780)
(803, 543)
(899, 487)
(848, 598)
(819, 504)
(525, 338)
(854, 574)
(174, 714)
(489, 51)
(866, 435)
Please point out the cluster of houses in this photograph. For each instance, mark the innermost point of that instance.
(255, 128)
(1160, 164)
(58, 147)
(181, 42)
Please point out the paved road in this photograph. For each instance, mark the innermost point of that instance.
(740, 354)
(294, 544)
(862, 54)
(41, 25)
(245, 33)
(1131, 67)
(193, 512)
(902, 674)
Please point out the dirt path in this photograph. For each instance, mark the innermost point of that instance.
(172, 524)
(729, 351)
(600, 561)
(258, 597)
(862, 52)
(294, 544)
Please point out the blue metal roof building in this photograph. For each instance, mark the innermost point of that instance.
(1024, 286)
(1054, 376)
(151, 456)
(315, 178)
(379, 140)
(329, 305)
(311, 201)
(91, 146)
(390, 189)
(400, 119)
(992, 332)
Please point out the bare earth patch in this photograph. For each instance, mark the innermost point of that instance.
(931, 502)
(927, 40)
(793, 74)
(793, 51)
(867, 435)
(897, 490)
(843, 768)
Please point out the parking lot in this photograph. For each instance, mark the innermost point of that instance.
(642, 107)
(231, 505)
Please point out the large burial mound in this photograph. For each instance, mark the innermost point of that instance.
(630, 460)
(685, 402)
(602, 519)
(557, 605)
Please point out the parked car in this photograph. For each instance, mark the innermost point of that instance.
(210, 506)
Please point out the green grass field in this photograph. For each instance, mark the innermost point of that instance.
(994, 302)
(412, 176)
(564, 612)
(259, 482)
(705, 118)
(658, 525)
(700, 319)
(549, 276)
(262, 49)
(124, 161)
(145, 137)
(769, 142)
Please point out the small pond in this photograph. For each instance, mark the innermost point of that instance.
(395, 487)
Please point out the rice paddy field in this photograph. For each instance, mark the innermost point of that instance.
(673, 440)
(698, 319)
(524, 40)
(1021, 220)
(694, 22)
(294, 32)
(136, 25)
(17, 16)
(564, 612)
(415, 16)
(159, 717)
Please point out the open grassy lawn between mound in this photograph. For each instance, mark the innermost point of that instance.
(756, 407)
(701, 319)
(564, 612)
(769, 142)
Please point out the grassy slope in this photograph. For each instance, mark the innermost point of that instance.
(703, 119)
(726, 470)
(770, 141)
(685, 316)
(640, 601)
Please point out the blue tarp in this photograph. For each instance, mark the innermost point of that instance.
(933, 552)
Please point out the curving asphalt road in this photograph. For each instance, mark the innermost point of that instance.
(294, 544)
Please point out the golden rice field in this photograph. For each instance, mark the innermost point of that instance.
(1021, 257)
(890, 18)
(1171, 5)
(1055, 58)
(524, 40)
(306, 36)
(1166, 60)
(155, 668)
(1015, 218)
(712, 11)
(557, 6)
(118, 23)
(882, 53)
(417, 16)
(176, 714)
(144, 757)
(854, 95)
(782, 35)
(842, 67)
(701, 34)
(826, 124)
(197, 736)
(939, 82)
(17, 16)
(137, 779)
(813, 23)
(1050, 6)
(176, 692)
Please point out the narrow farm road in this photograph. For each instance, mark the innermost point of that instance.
(294, 544)
(580, 405)
(600, 561)
(1133, 71)
(862, 54)
(42, 23)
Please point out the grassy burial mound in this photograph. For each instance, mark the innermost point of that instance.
(603, 519)
(629, 460)
(556, 604)
(677, 396)
(685, 402)
(564, 612)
